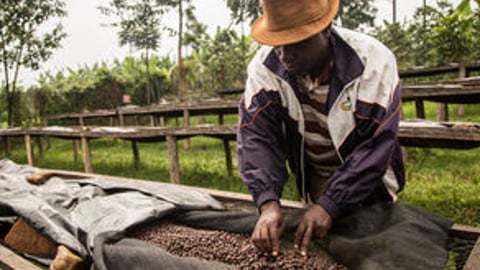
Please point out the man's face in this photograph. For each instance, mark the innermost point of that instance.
(307, 56)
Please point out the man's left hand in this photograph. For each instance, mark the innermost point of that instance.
(315, 223)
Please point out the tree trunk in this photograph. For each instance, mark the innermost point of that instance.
(181, 69)
(147, 65)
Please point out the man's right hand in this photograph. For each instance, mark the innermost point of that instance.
(269, 228)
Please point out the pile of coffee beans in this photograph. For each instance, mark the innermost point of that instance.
(229, 248)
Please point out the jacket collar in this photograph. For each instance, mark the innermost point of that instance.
(346, 67)
(347, 64)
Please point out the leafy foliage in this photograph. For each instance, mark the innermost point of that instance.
(102, 86)
(220, 61)
(22, 43)
(139, 26)
(351, 14)
(356, 14)
(434, 36)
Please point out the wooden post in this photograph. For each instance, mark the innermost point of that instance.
(80, 121)
(162, 121)
(462, 73)
(136, 155)
(75, 150)
(473, 261)
(28, 146)
(110, 121)
(11, 260)
(228, 156)
(6, 147)
(39, 140)
(420, 109)
(152, 120)
(442, 112)
(186, 123)
(87, 163)
(220, 119)
(120, 119)
(173, 159)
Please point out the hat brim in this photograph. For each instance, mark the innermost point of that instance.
(260, 32)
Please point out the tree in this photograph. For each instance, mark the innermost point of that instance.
(24, 41)
(220, 61)
(351, 14)
(243, 10)
(454, 35)
(355, 14)
(182, 11)
(139, 23)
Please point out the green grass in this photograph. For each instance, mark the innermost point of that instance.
(443, 181)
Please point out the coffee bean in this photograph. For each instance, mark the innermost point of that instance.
(233, 249)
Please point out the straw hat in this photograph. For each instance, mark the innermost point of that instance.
(289, 21)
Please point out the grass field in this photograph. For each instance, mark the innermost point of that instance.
(446, 182)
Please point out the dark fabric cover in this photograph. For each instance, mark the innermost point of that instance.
(90, 216)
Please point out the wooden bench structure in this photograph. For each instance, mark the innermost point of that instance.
(411, 133)
(157, 112)
(460, 91)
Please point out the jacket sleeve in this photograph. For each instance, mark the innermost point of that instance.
(260, 146)
(372, 147)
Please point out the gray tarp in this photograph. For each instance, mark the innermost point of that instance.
(74, 211)
(90, 216)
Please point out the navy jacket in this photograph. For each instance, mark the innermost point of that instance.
(363, 115)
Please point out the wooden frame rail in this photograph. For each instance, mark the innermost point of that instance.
(411, 134)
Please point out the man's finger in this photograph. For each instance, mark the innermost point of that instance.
(275, 242)
(267, 244)
(261, 240)
(305, 241)
(299, 234)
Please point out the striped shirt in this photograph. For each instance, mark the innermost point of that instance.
(320, 155)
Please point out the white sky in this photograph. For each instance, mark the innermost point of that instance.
(88, 42)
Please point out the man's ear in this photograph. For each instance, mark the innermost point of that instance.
(328, 30)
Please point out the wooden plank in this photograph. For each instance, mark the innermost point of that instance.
(28, 147)
(174, 168)
(451, 92)
(87, 160)
(429, 71)
(473, 261)
(9, 260)
(440, 135)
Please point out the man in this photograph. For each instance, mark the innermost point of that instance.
(327, 100)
